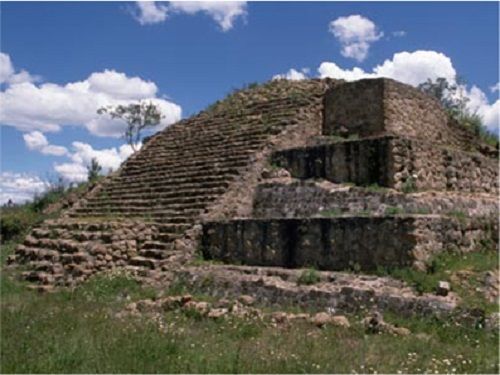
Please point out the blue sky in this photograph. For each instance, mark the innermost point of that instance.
(188, 56)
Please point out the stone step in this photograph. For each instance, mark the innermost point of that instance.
(200, 193)
(154, 253)
(341, 243)
(145, 262)
(174, 175)
(151, 217)
(313, 198)
(164, 178)
(201, 151)
(182, 170)
(335, 291)
(134, 209)
(157, 245)
(167, 204)
(139, 186)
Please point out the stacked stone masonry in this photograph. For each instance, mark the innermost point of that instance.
(399, 163)
(304, 198)
(179, 175)
(374, 107)
(145, 216)
(356, 242)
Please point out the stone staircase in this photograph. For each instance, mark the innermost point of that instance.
(178, 175)
(316, 173)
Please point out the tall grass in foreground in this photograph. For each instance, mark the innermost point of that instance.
(77, 332)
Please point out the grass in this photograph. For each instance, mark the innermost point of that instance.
(409, 186)
(77, 332)
(444, 267)
(16, 220)
(392, 210)
(309, 276)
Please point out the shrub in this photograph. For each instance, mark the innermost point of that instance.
(16, 220)
(308, 277)
(452, 97)
(409, 186)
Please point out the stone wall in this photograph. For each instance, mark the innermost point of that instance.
(310, 198)
(438, 168)
(341, 243)
(362, 162)
(374, 107)
(403, 164)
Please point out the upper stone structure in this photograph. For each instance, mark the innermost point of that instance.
(314, 173)
(382, 106)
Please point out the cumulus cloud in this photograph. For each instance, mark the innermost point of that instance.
(46, 107)
(224, 13)
(8, 74)
(20, 187)
(150, 12)
(495, 88)
(414, 68)
(81, 156)
(355, 34)
(38, 142)
(293, 75)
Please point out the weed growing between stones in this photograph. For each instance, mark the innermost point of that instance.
(309, 276)
(409, 186)
(391, 210)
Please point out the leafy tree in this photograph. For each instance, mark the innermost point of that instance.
(138, 117)
(452, 97)
(93, 170)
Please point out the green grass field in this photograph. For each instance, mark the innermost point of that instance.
(77, 332)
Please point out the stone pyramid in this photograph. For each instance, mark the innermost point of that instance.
(289, 174)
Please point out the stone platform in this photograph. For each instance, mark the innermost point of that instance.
(345, 242)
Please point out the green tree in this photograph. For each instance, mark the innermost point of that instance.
(93, 170)
(137, 116)
(452, 97)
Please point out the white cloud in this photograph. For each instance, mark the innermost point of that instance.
(414, 68)
(224, 13)
(71, 172)
(150, 12)
(8, 74)
(119, 86)
(81, 156)
(20, 187)
(495, 88)
(399, 33)
(355, 33)
(293, 75)
(490, 113)
(38, 142)
(47, 107)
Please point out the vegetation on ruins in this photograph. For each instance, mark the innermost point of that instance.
(308, 276)
(78, 332)
(96, 265)
(138, 117)
(452, 97)
(463, 271)
(16, 220)
(93, 171)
